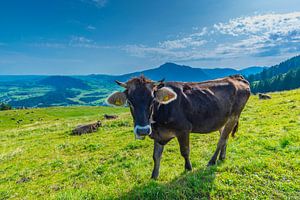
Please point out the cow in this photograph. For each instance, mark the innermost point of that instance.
(106, 116)
(263, 96)
(87, 128)
(165, 110)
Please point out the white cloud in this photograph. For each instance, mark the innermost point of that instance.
(162, 54)
(191, 41)
(272, 23)
(98, 3)
(83, 42)
(263, 33)
(74, 42)
(80, 39)
(187, 42)
(49, 45)
(180, 49)
(90, 27)
(253, 36)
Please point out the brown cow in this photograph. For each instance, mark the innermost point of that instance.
(87, 128)
(263, 96)
(106, 116)
(164, 110)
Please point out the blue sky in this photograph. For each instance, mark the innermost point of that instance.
(118, 36)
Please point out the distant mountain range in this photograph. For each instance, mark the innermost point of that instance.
(63, 82)
(43, 91)
(175, 72)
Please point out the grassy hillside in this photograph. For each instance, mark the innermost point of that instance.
(40, 159)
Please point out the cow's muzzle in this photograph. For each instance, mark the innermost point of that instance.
(142, 131)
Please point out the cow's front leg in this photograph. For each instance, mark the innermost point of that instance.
(157, 152)
(184, 144)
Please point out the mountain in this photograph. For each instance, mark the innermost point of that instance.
(281, 68)
(171, 72)
(175, 72)
(20, 78)
(64, 82)
(219, 72)
(44, 91)
(252, 70)
(57, 97)
(285, 81)
(284, 76)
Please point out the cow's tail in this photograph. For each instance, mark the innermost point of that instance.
(235, 129)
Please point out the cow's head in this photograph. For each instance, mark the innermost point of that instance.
(140, 94)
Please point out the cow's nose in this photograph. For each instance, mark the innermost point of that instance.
(143, 130)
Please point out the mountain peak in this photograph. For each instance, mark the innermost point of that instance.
(170, 65)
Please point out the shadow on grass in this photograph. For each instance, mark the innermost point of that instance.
(189, 185)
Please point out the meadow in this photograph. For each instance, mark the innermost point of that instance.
(40, 159)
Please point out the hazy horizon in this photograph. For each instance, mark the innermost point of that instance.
(114, 37)
(121, 73)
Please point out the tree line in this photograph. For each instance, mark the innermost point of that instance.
(285, 76)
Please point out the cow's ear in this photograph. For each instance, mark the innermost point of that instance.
(117, 99)
(165, 95)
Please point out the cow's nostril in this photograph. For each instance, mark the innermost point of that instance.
(143, 130)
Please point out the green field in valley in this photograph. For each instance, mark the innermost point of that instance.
(40, 159)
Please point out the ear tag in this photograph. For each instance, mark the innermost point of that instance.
(118, 102)
(166, 98)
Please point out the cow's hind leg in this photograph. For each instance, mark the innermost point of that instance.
(221, 147)
(183, 140)
(157, 152)
(233, 130)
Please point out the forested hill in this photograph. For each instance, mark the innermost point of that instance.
(283, 67)
(284, 76)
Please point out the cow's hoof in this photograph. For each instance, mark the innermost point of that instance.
(154, 176)
(188, 167)
(222, 158)
(211, 163)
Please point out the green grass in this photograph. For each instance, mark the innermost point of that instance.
(40, 159)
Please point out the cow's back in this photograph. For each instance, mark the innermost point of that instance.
(205, 106)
